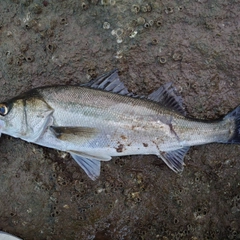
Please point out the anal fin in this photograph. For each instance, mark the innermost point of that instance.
(174, 159)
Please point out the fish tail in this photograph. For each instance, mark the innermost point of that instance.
(235, 115)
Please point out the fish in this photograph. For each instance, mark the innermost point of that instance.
(101, 119)
(7, 236)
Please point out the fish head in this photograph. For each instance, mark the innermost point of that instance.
(25, 117)
(11, 114)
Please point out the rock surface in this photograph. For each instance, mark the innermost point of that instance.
(195, 45)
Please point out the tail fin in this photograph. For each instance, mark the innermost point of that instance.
(235, 115)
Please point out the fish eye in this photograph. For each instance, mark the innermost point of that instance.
(3, 109)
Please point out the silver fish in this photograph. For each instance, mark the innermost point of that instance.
(7, 236)
(101, 119)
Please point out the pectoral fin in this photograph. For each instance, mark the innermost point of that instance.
(99, 157)
(74, 133)
(174, 159)
(90, 166)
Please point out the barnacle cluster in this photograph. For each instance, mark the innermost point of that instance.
(118, 33)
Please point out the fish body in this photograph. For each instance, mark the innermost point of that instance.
(101, 119)
(7, 236)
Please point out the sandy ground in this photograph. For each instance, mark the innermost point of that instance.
(195, 45)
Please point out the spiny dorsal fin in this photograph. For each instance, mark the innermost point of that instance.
(109, 82)
(167, 96)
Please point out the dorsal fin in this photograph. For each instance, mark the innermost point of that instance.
(167, 96)
(109, 82)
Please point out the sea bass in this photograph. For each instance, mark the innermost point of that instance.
(7, 236)
(102, 119)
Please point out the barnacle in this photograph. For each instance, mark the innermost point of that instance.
(133, 34)
(30, 58)
(105, 2)
(180, 8)
(36, 9)
(63, 21)
(106, 25)
(175, 221)
(18, 61)
(119, 54)
(118, 33)
(144, 8)
(162, 60)
(32, 24)
(12, 214)
(135, 8)
(147, 25)
(169, 10)
(141, 20)
(85, 6)
(62, 181)
(158, 22)
(112, 2)
(23, 47)
(110, 205)
(177, 56)
(119, 40)
(154, 41)
(9, 33)
(51, 47)
(149, 8)
(151, 22)
(21, 56)
(91, 72)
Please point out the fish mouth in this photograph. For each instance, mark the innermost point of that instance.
(2, 125)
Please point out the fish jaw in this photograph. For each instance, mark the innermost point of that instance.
(2, 126)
